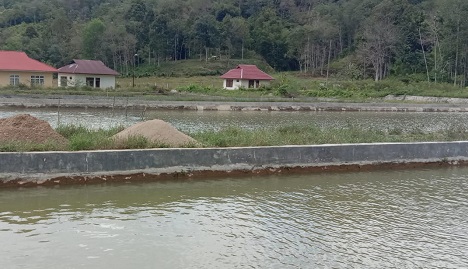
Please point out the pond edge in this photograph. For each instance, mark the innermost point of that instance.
(85, 167)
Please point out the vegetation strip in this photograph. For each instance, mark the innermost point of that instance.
(81, 138)
(288, 86)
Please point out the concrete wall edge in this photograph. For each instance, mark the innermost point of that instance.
(39, 168)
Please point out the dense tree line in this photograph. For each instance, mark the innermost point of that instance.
(415, 39)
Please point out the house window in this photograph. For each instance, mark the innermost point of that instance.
(229, 83)
(251, 83)
(14, 80)
(90, 82)
(98, 82)
(37, 81)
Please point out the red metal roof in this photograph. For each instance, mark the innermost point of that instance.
(87, 67)
(19, 61)
(245, 71)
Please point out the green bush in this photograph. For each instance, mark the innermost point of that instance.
(135, 142)
(196, 89)
(282, 90)
(82, 138)
(81, 142)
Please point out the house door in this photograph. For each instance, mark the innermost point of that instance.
(63, 81)
(251, 83)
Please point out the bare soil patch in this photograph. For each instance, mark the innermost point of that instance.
(156, 131)
(26, 128)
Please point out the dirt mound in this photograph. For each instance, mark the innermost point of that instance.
(157, 131)
(26, 128)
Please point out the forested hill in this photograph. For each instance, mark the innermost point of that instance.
(425, 39)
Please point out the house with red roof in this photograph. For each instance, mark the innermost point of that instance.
(245, 76)
(17, 68)
(89, 73)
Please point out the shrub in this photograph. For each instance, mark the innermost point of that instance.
(133, 142)
(82, 138)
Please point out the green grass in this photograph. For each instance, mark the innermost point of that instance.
(365, 89)
(287, 85)
(81, 138)
(16, 146)
(312, 135)
(210, 88)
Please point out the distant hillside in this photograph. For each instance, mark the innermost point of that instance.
(188, 68)
(417, 40)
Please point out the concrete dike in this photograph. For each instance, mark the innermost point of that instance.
(388, 104)
(51, 168)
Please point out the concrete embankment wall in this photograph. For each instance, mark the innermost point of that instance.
(38, 168)
(388, 104)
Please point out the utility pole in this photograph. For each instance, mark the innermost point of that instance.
(133, 75)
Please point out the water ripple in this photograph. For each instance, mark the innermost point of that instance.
(387, 219)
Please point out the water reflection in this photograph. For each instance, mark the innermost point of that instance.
(386, 219)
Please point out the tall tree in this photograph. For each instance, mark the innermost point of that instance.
(271, 32)
(453, 49)
(206, 31)
(92, 38)
(380, 37)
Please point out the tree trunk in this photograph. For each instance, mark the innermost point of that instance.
(456, 54)
(424, 54)
(329, 56)
(242, 49)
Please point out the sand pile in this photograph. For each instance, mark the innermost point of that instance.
(157, 131)
(26, 128)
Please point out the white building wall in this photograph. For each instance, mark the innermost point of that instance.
(236, 84)
(107, 82)
(71, 80)
(244, 84)
(79, 80)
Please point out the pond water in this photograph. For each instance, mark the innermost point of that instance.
(384, 219)
(193, 121)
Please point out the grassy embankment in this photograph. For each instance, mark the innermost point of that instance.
(199, 80)
(81, 138)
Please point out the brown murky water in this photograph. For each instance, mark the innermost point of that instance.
(383, 219)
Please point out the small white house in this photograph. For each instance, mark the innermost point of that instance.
(90, 73)
(245, 76)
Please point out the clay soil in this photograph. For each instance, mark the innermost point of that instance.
(156, 131)
(25, 128)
